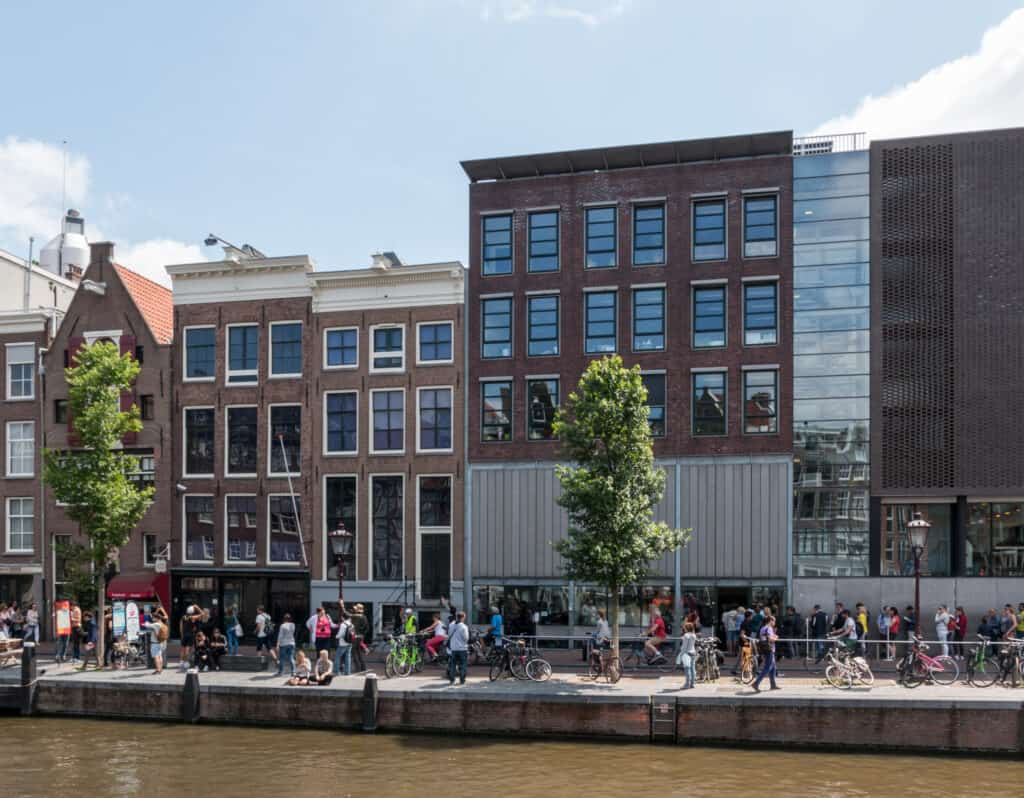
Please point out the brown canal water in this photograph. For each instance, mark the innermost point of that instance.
(72, 757)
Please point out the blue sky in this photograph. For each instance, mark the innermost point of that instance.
(336, 128)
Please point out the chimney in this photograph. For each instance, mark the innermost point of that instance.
(101, 252)
(385, 260)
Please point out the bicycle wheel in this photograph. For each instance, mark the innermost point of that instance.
(538, 670)
(865, 675)
(944, 671)
(984, 673)
(389, 666)
(517, 665)
(631, 661)
(838, 676)
(497, 670)
(916, 674)
(668, 664)
(594, 667)
(747, 671)
(613, 670)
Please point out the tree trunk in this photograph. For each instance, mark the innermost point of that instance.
(615, 619)
(101, 621)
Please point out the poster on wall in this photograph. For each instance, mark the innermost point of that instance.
(132, 620)
(118, 619)
(62, 609)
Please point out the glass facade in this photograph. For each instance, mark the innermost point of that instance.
(830, 365)
(995, 539)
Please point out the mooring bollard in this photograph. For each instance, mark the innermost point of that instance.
(190, 698)
(370, 696)
(28, 678)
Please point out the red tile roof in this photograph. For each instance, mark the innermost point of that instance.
(153, 301)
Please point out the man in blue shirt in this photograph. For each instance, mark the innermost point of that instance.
(497, 624)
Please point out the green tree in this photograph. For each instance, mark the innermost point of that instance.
(612, 487)
(94, 482)
(78, 579)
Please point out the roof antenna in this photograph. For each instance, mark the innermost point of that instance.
(64, 185)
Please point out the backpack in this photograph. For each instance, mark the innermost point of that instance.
(161, 633)
(268, 625)
(348, 636)
(764, 646)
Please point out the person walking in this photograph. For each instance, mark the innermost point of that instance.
(63, 641)
(286, 645)
(157, 638)
(263, 625)
(458, 644)
(188, 627)
(31, 624)
(882, 626)
(819, 631)
(766, 638)
(942, 624)
(76, 633)
(361, 631)
(961, 632)
(233, 626)
(894, 631)
(909, 623)
(728, 624)
(345, 638)
(688, 655)
(90, 632)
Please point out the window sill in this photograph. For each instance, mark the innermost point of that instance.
(700, 261)
(199, 379)
(241, 562)
(198, 476)
(435, 362)
(435, 451)
(198, 562)
(650, 265)
(341, 454)
(20, 552)
(283, 475)
(283, 564)
(346, 367)
(253, 475)
(20, 399)
(387, 452)
(19, 476)
(388, 371)
(285, 376)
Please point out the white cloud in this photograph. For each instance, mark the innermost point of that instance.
(984, 89)
(589, 14)
(30, 205)
(149, 257)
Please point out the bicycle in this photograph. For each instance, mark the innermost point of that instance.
(917, 667)
(749, 663)
(403, 658)
(707, 666)
(1011, 663)
(982, 669)
(637, 659)
(603, 662)
(844, 668)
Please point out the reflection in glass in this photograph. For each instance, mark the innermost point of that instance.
(824, 276)
(709, 408)
(995, 539)
(655, 385)
(830, 186)
(838, 342)
(851, 296)
(897, 555)
(830, 387)
(811, 409)
(830, 320)
(832, 164)
(825, 254)
(812, 365)
(846, 230)
(818, 210)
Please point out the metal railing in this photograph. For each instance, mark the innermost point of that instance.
(826, 145)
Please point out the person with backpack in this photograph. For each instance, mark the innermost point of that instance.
(286, 645)
(264, 627)
(157, 640)
(345, 638)
(766, 638)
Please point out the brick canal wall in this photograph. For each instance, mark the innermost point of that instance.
(850, 723)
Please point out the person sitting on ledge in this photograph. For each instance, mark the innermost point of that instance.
(301, 675)
(201, 657)
(323, 672)
(218, 646)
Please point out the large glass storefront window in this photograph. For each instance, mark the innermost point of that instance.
(897, 554)
(635, 604)
(518, 603)
(995, 539)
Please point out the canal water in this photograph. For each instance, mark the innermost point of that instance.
(72, 757)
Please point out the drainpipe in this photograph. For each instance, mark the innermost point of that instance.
(44, 605)
(28, 275)
(677, 585)
(467, 487)
(790, 598)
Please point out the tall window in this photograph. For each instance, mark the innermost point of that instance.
(436, 502)
(198, 539)
(601, 237)
(435, 342)
(243, 441)
(709, 408)
(341, 411)
(286, 427)
(760, 314)
(543, 398)
(648, 234)
(21, 448)
(760, 394)
(543, 243)
(341, 348)
(435, 419)
(760, 226)
(709, 316)
(20, 524)
(386, 495)
(284, 515)
(496, 402)
(144, 475)
(242, 526)
(709, 230)
(21, 370)
(340, 508)
(149, 549)
(388, 421)
(497, 245)
(200, 353)
(60, 411)
(286, 349)
(243, 353)
(655, 385)
(542, 324)
(648, 319)
(199, 424)
(600, 315)
(388, 352)
(497, 326)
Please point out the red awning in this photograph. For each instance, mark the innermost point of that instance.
(136, 586)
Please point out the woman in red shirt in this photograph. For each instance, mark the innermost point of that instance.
(894, 631)
(322, 630)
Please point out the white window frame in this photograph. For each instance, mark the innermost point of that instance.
(402, 354)
(405, 421)
(419, 390)
(298, 504)
(270, 441)
(227, 439)
(331, 452)
(326, 557)
(369, 519)
(227, 550)
(9, 450)
(344, 366)
(449, 361)
(184, 527)
(228, 372)
(184, 353)
(31, 361)
(148, 563)
(270, 350)
(7, 520)
(433, 530)
(184, 443)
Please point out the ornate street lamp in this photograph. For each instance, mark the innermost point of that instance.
(341, 545)
(917, 529)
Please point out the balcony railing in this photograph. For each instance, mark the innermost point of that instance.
(826, 145)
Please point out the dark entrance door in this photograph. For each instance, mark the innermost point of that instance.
(435, 565)
(291, 596)
(729, 598)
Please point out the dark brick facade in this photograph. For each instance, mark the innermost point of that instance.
(676, 184)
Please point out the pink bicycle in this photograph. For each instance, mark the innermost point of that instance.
(917, 667)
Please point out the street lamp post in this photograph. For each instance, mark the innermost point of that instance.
(341, 545)
(918, 531)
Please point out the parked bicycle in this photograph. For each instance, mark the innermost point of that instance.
(404, 656)
(917, 667)
(749, 663)
(707, 666)
(1011, 663)
(982, 668)
(603, 662)
(844, 667)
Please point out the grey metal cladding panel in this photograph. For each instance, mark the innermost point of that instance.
(665, 510)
